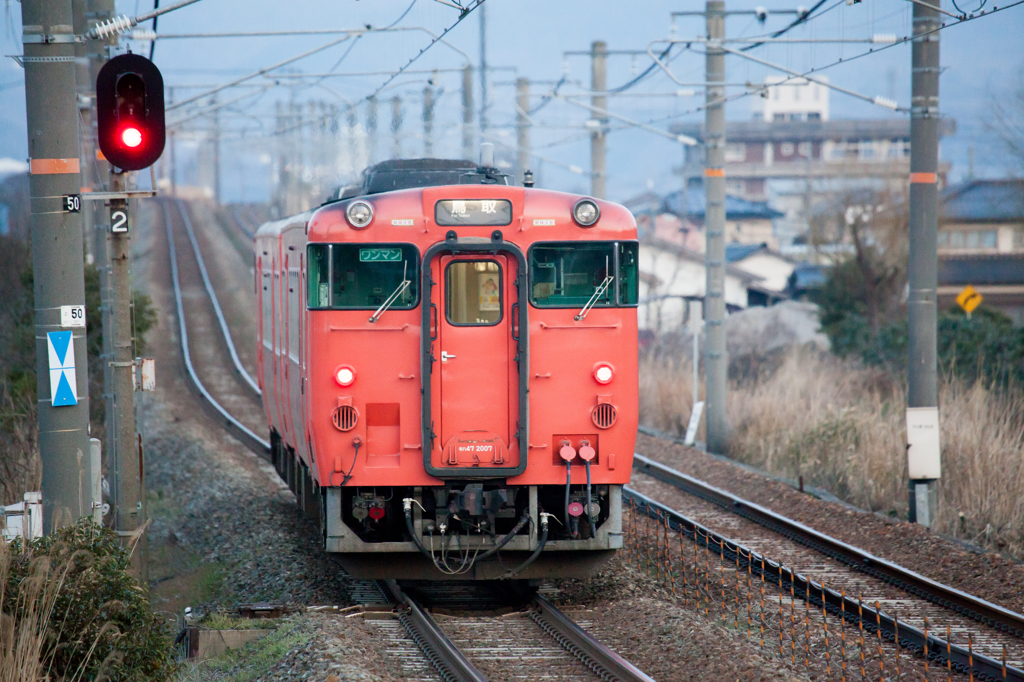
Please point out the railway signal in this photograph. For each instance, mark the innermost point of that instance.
(130, 112)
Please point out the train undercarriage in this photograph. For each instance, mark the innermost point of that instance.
(468, 529)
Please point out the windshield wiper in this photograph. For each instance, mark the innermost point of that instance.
(394, 294)
(598, 292)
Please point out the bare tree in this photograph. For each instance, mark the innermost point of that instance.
(1008, 119)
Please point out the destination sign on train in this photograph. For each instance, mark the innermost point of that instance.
(473, 212)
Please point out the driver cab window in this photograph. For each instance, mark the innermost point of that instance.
(363, 276)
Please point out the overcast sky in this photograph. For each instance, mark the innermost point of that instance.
(529, 38)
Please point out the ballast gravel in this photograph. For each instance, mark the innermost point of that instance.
(983, 574)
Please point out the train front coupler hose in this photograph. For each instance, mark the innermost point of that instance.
(505, 539)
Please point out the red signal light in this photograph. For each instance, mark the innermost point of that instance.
(132, 137)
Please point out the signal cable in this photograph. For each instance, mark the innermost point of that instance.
(870, 51)
(796, 22)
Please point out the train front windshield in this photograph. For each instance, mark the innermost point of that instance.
(362, 276)
(569, 274)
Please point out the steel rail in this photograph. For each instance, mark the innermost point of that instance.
(225, 332)
(948, 597)
(592, 653)
(237, 428)
(839, 605)
(450, 663)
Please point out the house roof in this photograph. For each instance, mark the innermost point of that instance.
(994, 268)
(984, 201)
(736, 208)
(697, 257)
(737, 252)
(807, 276)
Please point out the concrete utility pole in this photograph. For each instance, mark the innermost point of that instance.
(483, 70)
(522, 128)
(467, 112)
(58, 264)
(216, 153)
(922, 400)
(174, 161)
(128, 515)
(371, 131)
(396, 127)
(598, 84)
(716, 362)
(428, 121)
(98, 11)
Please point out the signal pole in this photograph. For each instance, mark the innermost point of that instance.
(522, 128)
(57, 259)
(716, 361)
(128, 514)
(922, 399)
(598, 83)
(467, 111)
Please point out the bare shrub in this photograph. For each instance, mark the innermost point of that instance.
(842, 426)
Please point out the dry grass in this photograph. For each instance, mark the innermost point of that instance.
(841, 426)
(28, 615)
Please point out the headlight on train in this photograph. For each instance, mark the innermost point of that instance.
(585, 212)
(345, 376)
(359, 214)
(604, 373)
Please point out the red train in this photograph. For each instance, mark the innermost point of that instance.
(449, 372)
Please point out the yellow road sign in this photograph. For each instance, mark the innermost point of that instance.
(969, 299)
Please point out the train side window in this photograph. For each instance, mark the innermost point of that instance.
(473, 293)
(318, 276)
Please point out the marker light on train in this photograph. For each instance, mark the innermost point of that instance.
(604, 373)
(359, 214)
(345, 376)
(586, 212)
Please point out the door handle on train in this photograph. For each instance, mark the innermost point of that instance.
(515, 315)
(446, 356)
(433, 322)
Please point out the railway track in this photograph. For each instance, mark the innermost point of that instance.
(222, 399)
(964, 633)
(538, 642)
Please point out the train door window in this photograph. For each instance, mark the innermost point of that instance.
(570, 274)
(293, 315)
(473, 293)
(268, 311)
(319, 276)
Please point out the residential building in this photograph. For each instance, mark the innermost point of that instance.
(981, 244)
(670, 274)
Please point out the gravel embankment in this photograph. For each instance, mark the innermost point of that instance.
(986, 575)
(632, 614)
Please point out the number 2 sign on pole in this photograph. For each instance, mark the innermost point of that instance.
(118, 219)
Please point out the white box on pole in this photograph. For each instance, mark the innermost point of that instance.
(923, 452)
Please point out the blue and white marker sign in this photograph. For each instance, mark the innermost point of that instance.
(61, 352)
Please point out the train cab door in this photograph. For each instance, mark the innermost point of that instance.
(475, 351)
